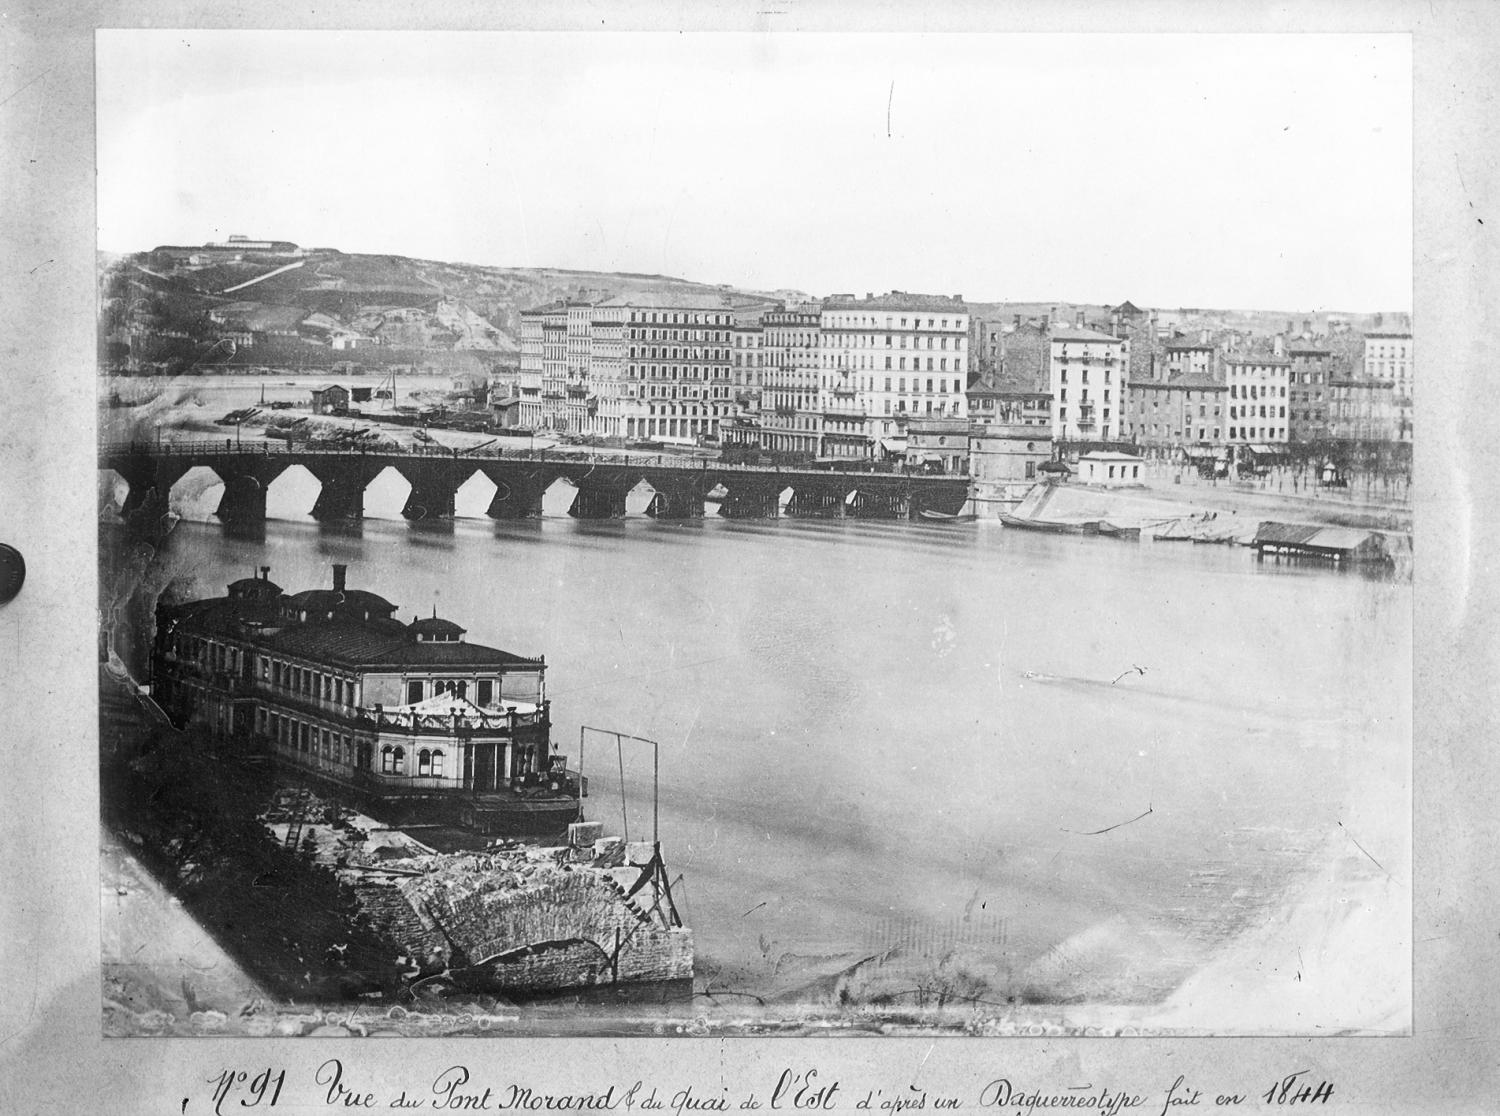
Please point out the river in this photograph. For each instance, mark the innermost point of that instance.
(1004, 766)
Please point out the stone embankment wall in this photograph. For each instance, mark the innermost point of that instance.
(531, 918)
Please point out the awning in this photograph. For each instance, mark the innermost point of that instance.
(1265, 451)
(893, 445)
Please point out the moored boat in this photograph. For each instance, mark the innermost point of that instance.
(1052, 526)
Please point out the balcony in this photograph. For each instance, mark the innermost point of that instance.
(481, 723)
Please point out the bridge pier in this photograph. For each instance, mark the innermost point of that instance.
(879, 504)
(597, 502)
(432, 495)
(947, 499)
(344, 479)
(818, 503)
(150, 479)
(517, 496)
(244, 499)
(342, 497)
(751, 502)
(681, 502)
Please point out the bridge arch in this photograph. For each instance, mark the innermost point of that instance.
(196, 494)
(474, 496)
(386, 495)
(292, 494)
(114, 490)
(558, 497)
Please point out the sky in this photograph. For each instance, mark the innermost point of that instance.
(1244, 171)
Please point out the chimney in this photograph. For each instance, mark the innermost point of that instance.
(869, 295)
(1290, 325)
(1078, 319)
(1306, 327)
(265, 573)
(339, 570)
(1016, 324)
(1280, 345)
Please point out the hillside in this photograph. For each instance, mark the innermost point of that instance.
(329, 306)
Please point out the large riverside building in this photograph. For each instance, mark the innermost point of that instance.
(678, 384)
(409, 716)
(886, 359)
(790, 419)
(1088, 372)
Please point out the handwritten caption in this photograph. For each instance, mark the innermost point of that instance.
(793, 1091)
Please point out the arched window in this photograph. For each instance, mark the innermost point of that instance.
(387, 760)
(398, 760)
(424, 763)
(462, 689)
(437, 764)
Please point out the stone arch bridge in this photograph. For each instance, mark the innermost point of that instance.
(681, 485)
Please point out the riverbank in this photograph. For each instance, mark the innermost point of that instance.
(1159, 501)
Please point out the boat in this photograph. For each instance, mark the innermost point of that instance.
(1052, 526)
(1118, 531)
(928, 513)
(409, 722)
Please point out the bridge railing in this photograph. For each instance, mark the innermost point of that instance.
(203, 448)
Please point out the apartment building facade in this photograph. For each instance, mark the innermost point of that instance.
(1088, 372)
(1259, 399)
(887, 359)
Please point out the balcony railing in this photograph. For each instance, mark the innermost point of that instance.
(452, 724)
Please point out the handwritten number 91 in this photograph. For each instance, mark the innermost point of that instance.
(264, 1086)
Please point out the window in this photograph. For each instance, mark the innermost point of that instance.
(413, 691)
(424, 763)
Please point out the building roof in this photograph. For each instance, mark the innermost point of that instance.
(345, 640)
(1108, 455)
(1075, 334)
(435, 626)
(671, 300)
(1273, 360)
(898, 300)
(1189, 381)
(1128, 308)
(1185, 343)
(1005, 382)
(376, 645)
(1315, 537)
(1199, 381)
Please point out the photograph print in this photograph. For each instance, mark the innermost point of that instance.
(754, 533)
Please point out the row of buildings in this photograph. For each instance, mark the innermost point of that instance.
(851, 378)
(835, 378)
